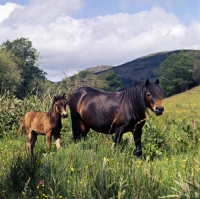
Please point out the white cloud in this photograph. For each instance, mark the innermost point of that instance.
(6, 9)
(68, 44)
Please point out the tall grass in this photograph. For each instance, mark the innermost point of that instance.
(169, 168)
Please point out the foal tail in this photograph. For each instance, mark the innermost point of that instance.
(21, 129)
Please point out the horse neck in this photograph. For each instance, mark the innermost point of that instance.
(133, 96)
(53, 114)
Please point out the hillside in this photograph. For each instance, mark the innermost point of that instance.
(142, 68)
(178, 105)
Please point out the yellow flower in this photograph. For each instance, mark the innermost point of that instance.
(60, 196)
(72, 169)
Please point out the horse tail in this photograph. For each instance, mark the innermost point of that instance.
(21, 129)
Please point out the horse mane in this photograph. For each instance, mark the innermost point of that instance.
(134, 96)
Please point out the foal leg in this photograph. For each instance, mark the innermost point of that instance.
(57, 140)
(31, 139)
(48, 138)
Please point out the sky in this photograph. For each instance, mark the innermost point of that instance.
(72, 35)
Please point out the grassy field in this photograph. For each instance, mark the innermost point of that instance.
(169, 167)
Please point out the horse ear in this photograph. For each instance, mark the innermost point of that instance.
(54, 98)
(64, 96)
(147, 82)
(157, 81)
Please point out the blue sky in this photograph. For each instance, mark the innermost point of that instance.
(72, 35)
(185, 9)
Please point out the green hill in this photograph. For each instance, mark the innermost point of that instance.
(142, 68)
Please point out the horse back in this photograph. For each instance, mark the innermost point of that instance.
(87, 98)
(35, 120)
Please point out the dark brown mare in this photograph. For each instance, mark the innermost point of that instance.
(45, 123)
(115, 112)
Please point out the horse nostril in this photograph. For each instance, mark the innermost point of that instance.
(159, 110)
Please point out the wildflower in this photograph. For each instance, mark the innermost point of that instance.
(60, 196)
(139, 162)
(72, 169)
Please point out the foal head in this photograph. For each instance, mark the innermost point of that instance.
(154, 96)
(60, 103)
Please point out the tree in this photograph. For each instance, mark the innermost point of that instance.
(176, 73)
(28, 63)
(10, 74)
(112, 80)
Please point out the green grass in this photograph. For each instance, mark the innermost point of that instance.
(169, 167)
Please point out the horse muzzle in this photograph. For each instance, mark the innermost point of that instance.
(159, 110)
(64, 115)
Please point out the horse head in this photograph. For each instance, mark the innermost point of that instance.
(154, 96)
(60, 103)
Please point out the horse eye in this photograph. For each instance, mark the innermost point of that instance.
(58, 106)
(148, 94)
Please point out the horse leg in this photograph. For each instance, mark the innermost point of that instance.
(79, 129)
(84, 130)
(48, 138)
(75, 129)
(57, 140)
(137, 138)
(31, 139)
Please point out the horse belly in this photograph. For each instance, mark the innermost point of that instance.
(99, 122)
